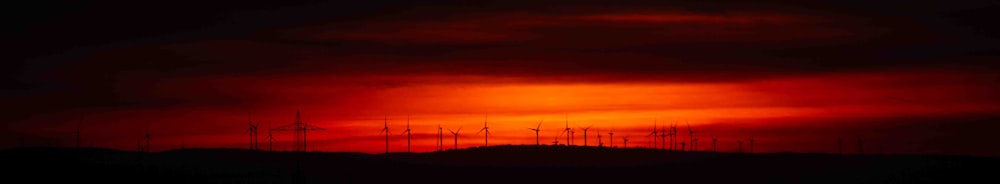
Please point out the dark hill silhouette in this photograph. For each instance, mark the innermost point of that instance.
(494, 164)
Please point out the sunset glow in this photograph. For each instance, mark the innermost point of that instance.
(793, 79)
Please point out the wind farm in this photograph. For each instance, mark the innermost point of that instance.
(665, 91)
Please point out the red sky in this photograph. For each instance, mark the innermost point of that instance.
(793, 76)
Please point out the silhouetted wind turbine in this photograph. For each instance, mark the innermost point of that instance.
(385, 129)
(663, 139)
(407, 132)
(653, 133)
(456, 136)
(682, 146)
(252, 130)
(625, 140)
(536, 129)
(740, 142)
(611, 138)
(694, 144)
(270, 138)
(715, 140)
(567, 131)
(487, 129)
(585, 134)
(440, 138)
(691, 136)
(751, 144)
(600, 142)
(673, 136)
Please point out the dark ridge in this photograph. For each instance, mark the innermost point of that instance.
(505, 163)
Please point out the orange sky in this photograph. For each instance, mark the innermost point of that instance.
(795, 77)
(353, 115)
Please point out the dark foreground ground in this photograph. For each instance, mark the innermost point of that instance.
(501, 164)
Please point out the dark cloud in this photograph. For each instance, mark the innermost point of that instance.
(111, 53)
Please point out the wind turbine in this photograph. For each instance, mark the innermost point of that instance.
(252, 130)
(600, 143)
(487, 129)
(536, 129)
(456, 136)
(663, 139)
(407, 132)
(682, 146)
(567, 130)
(715, 140)
(625, 139)
(751, 144)
(270, 138)
(440, 138)
(691, 137)
(611, 138)
(585, 134)
(673, 136)
(740, 142)
(653, 133)
(385, 129)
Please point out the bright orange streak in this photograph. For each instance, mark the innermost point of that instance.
(353, 114)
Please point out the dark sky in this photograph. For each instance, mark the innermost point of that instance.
(80, 57)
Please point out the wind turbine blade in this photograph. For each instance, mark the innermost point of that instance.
(480, 131)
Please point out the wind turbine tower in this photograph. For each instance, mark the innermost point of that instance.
(715, 141)
(585, 134)
(691, 137)
(487, 130)
(252, 130)
(567, 130)
(440, 138)
(740, 142)
(456, 136)
(407, 132)
(611, 138)
(600, 142)
(536, 129)
(270, 138)
(653, 133)
(385, 130)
